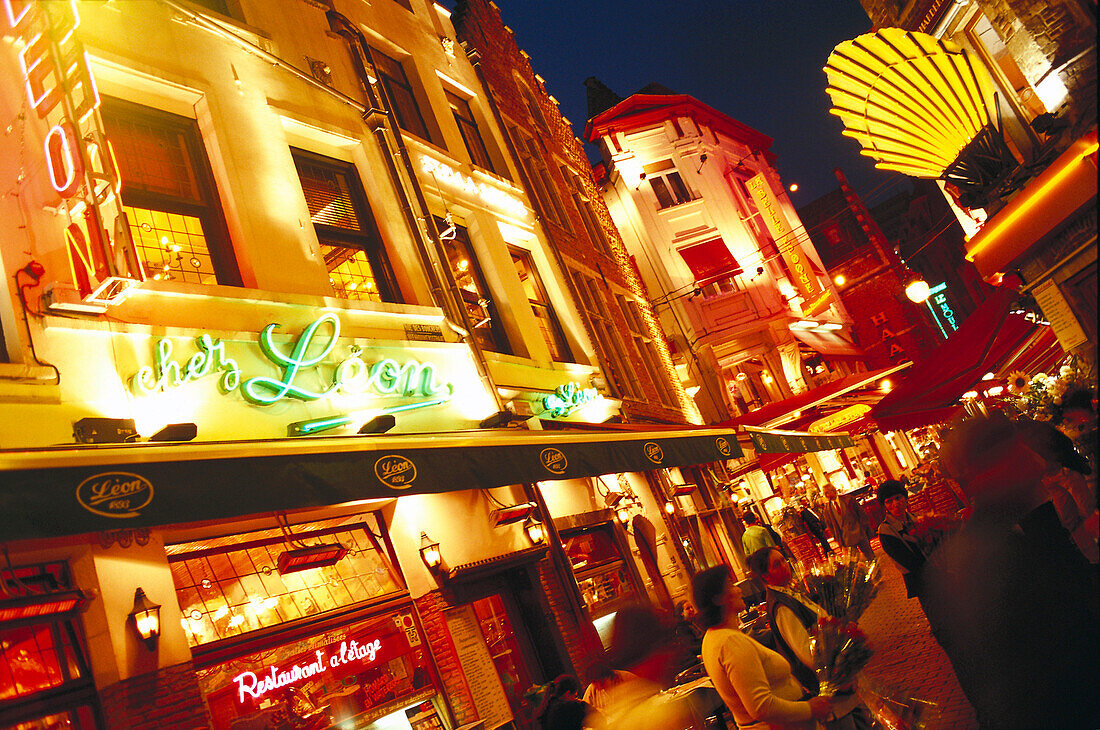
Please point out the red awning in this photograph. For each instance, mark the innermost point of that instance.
(1042, 354)
(776, 413)
(710, 261)
(829, 344)
(990, 337)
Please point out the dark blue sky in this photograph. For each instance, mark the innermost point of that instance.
(759, 61)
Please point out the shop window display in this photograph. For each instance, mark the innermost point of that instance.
(231, 585)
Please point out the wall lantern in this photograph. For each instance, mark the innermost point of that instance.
(429, 552)
(534, 530)
(670, 508)
(623, 515)
(146, 618)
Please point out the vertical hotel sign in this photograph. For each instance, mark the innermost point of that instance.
(798, 263)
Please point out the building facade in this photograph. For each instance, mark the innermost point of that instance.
(282, 336)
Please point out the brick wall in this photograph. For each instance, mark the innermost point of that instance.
(564, 619)
(430, 607)
(168, 698)
(479, 26)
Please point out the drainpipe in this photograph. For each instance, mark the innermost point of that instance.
(380, 117)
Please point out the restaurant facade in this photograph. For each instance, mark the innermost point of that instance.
(299, 408)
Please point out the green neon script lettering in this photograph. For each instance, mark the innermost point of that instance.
(266, 391)
(166, 373)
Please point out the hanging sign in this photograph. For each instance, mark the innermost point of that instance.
(841, 418)
(815, 299)
(795, 442)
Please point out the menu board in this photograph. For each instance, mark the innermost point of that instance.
(477, 665)
(1057, 310)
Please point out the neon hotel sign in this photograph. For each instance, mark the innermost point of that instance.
(272, 678)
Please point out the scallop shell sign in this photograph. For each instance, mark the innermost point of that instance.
(117, 494)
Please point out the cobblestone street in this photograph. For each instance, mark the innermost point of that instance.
(907, 659)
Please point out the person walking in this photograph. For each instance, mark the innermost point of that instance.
(756, 536)
(755, 682)
(847, 521)
(814, 526)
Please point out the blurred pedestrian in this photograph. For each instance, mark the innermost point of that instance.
(561, 707)
(814, 526)
(847, 521)
(792, 615)
(644, 646)
(1015, 601)
(755, 682)
(600, 692)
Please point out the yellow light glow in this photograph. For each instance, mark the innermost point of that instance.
(886, 386)
(991, 235)
(839, 280)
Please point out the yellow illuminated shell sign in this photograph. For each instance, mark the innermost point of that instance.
(832, 422)
(785, 239)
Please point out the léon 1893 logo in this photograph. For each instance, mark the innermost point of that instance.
(653, 452)
(553, 460)
(395, 471)
(723, 445)
(116, 494)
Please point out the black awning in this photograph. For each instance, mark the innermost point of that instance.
(53, 492)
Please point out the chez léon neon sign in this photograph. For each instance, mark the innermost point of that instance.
(257, 685)
(351, 375)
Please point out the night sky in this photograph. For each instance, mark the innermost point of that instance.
(758, 61)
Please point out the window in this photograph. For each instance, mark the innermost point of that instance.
(592, 225)
(45, 680)
(551, 329)
(169, 196)
(354, 255)
(231, 585)
(647, 351)
(615, 361)
(540, 184)
(666, 184)
(400, 92)
(464, 117)
(487, 327)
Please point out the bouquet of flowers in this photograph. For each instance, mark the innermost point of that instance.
(839, 650)
(1042, 396)
(844, 588)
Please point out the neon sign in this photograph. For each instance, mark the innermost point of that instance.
(941, 308)
(256, 686)
(567, 398)
(350, 376)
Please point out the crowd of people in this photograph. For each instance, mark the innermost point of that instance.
(1009, 586)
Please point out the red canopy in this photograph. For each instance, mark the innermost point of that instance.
(989, 338)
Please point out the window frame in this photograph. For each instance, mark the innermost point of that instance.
(643, 343)
(596, 233)
(541, 183)
(615, 361)
(389, 83)
(369, 239)
(667, 185)
(497, 339)
(209, 212)
(468, 128)
(557, 332)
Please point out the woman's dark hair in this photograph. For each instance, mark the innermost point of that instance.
(890, 488)
(705, 588)
(637, 632)
(749, 518)
(758, 561)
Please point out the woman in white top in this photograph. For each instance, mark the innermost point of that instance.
(755, 682)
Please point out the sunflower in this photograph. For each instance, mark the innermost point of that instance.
(1018, 383)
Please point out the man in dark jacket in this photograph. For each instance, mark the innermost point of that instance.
(815, 526)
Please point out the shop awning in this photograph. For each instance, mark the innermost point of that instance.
(710, 261)
(780, 411)
(829, 344)
(52, 492)
(795, 442)
(990, 337)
